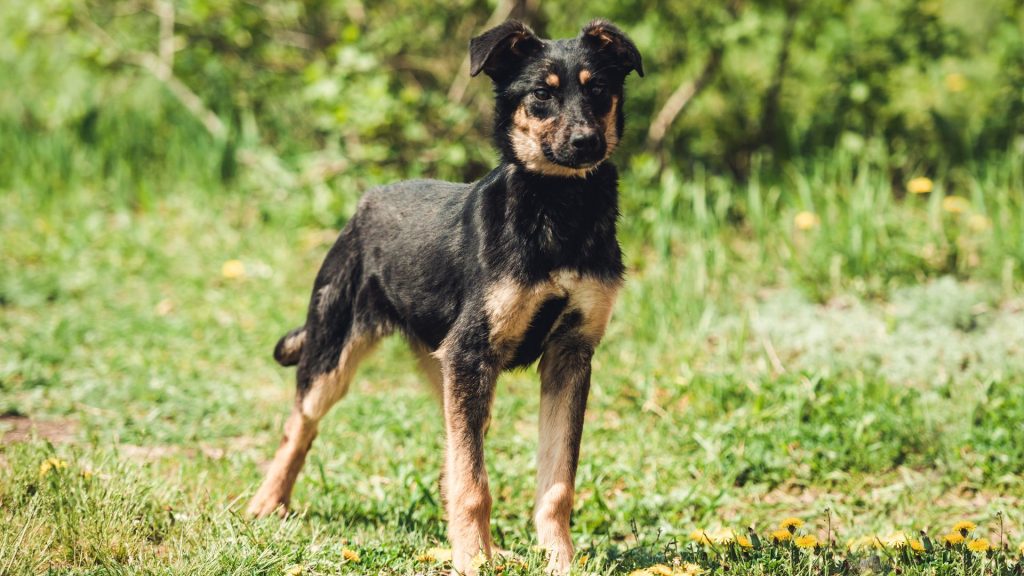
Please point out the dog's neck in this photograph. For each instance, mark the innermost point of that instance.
(548, 223)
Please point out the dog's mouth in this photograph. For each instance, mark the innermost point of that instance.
(573, 161)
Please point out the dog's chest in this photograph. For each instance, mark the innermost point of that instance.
(522, 317)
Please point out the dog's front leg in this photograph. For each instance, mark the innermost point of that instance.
(469, 378)
(565, 384)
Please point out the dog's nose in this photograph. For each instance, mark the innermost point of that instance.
(585, 140)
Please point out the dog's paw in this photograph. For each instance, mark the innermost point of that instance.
(262, 506)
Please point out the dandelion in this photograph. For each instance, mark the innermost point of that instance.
(862, 543)
(350, 555)
(806, 220)
(51, 464)
(722, 536)
(808, 541)
(689, 569)
(964, 527)
(436, 555)
(956, 82)
(232, 269)
(582, 560)
(979, 545)
(781, 535)
(791, 524)
(1021, 548)
(700, 536)
(916, 546)
(978, 223)
(895, 540)
(294, 570)
(920, 185)
(956, 204)
(953, 539)
(744, 542)
(659, 570)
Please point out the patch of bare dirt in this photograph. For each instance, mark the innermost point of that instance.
(16, 428)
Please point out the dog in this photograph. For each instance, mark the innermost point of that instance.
(480, 278)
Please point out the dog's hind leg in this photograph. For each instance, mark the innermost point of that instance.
(317, 392)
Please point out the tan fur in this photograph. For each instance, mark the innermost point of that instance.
(584, 77)
(466, 493)
(555, 479)
(594, 298)
(527, 135)
(552, 80)
(275, 492)
(328, 388)
(301, 428)
(611, 132)
(510, 307)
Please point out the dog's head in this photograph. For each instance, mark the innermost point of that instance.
(559, 102)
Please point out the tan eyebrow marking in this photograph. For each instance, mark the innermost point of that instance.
(584, 76)
(552, 80)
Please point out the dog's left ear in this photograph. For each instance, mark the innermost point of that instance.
(501, 48)
(603, 35)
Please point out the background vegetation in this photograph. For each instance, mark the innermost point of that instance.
(823, 214)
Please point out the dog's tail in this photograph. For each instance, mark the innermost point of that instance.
(289, 347)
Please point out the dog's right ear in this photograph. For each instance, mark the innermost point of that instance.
(498, 50)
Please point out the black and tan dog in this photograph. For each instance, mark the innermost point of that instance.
(484, 277)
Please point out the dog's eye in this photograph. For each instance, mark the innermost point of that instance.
(597, 90)
(542, 94)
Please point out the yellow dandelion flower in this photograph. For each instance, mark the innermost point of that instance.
(689, 569)
(861, 543)
(916, 546)
(781, 535)
(791, 524)
(956, 204)
(51, 464)
(806, 220)
(722, 536)
(436, 555)
(700, 536)
(294, 570)
(479, 560)
(583, 559)
(640, 572)
(979, 545)
(964, 527)
(744, 542)
(895, 540)
(953, 539)
(808, 541)
(956, 82)
(350, 555)
(232, 269)
(1021, 548)
(659, 570)
(920, 185)
(978, 223)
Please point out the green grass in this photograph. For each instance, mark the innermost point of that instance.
(872, 365)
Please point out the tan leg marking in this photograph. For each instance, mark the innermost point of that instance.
(301, 428)
(565, 383)
(466, 490)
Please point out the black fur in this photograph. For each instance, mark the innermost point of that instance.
(418, 254)
(492, 275)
